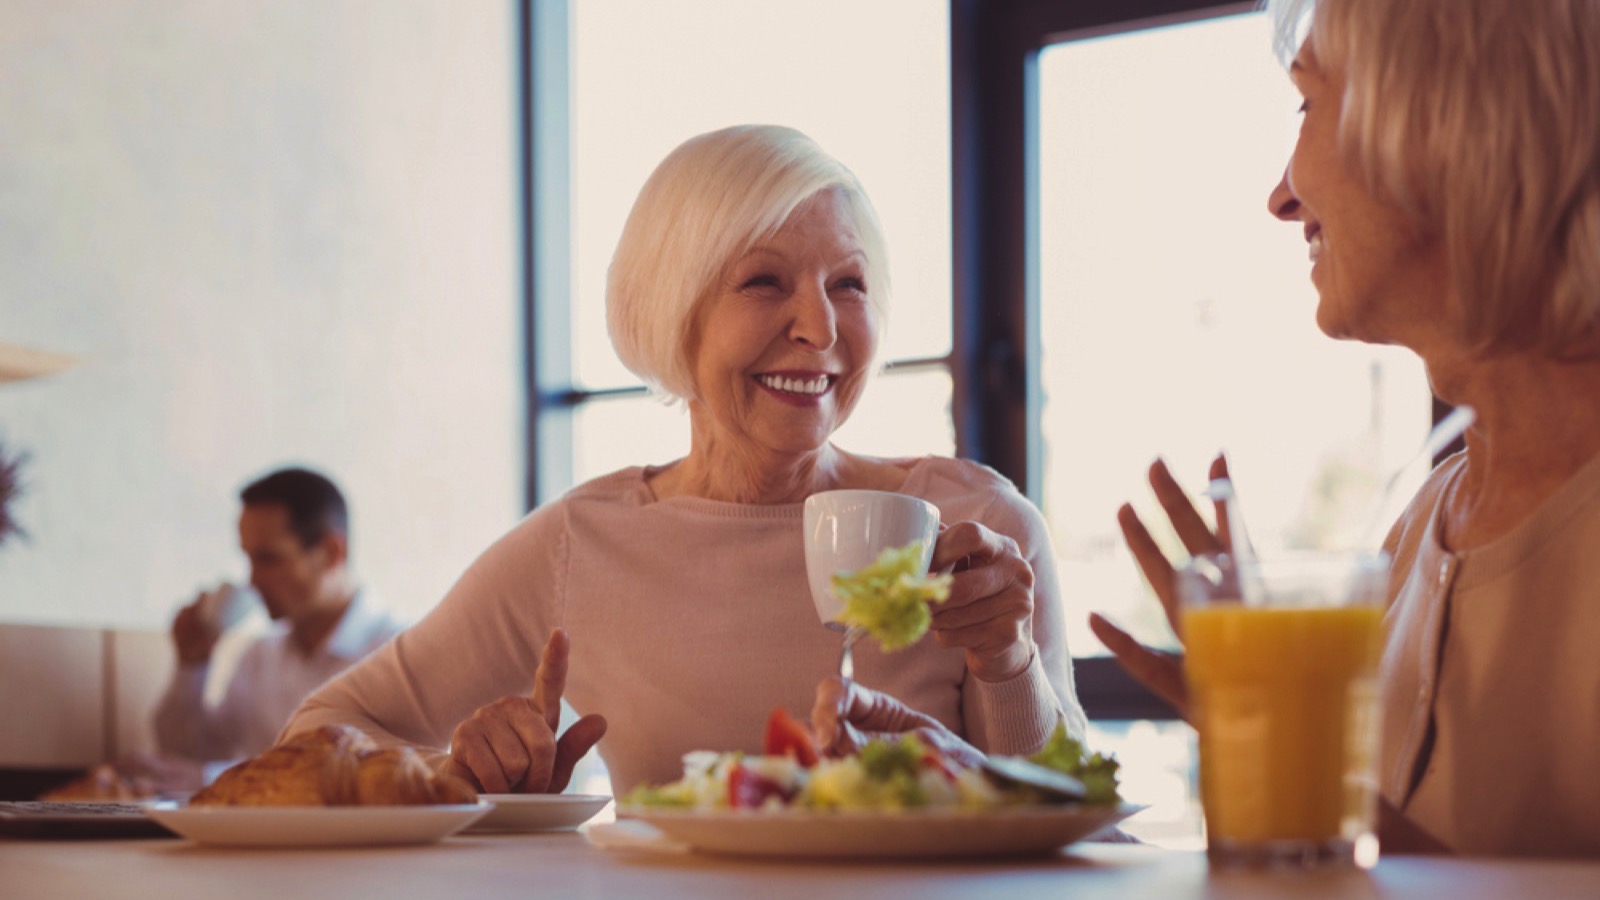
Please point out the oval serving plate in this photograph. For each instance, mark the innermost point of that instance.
(906, 834)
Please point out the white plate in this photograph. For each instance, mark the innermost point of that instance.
(539, 812)
(906, 834)
(316, 826)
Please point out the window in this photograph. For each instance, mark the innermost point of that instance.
(1166, 286)
(1176, 319)
(1149, 305)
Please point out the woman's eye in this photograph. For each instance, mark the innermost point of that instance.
(856, 285)
(760, 281)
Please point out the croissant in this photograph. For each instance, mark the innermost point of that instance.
(335, 765)
(397, 776)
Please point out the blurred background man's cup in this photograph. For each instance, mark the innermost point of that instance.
(198, 625)
(1282, 664)
(226, 605)
(847, 530)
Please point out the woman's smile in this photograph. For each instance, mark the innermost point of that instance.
(797, 388)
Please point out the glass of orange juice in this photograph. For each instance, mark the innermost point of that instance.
(1282, 665)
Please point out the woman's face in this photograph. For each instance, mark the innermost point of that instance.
(1378, 280)
(783, 342)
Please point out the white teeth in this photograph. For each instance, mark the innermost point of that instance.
(795, 386)
(1315, 246)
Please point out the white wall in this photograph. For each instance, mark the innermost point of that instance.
(275, 232)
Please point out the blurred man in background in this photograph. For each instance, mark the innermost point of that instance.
(294, 528)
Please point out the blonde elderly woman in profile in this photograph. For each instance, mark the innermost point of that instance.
(750, 283)
(1447, 178)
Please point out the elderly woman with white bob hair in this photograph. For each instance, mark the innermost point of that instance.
(1447, 180)
(751, 283)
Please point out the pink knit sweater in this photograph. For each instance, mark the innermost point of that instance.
(690, 620)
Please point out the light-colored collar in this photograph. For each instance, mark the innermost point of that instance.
(363, 626)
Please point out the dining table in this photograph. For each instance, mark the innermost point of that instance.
(571, 864)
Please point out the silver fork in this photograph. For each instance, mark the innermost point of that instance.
(847, 662)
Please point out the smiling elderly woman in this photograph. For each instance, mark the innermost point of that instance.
(751, 284)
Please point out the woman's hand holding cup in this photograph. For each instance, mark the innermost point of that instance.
(989, 613)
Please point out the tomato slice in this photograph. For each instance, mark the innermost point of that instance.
(932, 759)
(749, 790)
(786, 736)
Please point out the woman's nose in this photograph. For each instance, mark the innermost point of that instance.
(815, 324)
(1282, 202)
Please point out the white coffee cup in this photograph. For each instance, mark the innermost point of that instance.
(847, 530)
(227, 604)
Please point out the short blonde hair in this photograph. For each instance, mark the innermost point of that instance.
(1481, 119)
(711, 200)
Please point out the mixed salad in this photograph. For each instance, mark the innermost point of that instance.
(902, 773)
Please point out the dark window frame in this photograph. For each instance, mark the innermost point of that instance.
(994, 56)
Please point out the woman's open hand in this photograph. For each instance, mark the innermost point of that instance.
(510, 745)
(990, 610)
(1157, 670)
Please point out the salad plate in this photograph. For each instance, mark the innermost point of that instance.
(538, 812)
(900, 834)
(316, 826)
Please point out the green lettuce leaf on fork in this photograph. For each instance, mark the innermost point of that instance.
(889, 598)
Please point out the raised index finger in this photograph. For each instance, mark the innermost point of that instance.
(551, 678)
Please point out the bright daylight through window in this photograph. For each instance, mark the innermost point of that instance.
(1178, 321)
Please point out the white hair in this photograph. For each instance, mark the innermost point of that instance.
(704, 207)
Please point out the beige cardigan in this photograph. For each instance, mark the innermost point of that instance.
(1491, 677)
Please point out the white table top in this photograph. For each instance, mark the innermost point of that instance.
(565, 864)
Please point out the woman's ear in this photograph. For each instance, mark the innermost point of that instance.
(336, 547)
